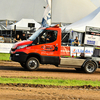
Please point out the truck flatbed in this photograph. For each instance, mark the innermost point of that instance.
(71, 62)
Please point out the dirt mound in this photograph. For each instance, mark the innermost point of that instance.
(48, 86)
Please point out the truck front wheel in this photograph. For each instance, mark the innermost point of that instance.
(90, 67)
(32, 64)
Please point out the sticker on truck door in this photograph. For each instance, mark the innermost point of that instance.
(48, 48)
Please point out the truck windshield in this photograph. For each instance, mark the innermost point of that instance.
(36, 34)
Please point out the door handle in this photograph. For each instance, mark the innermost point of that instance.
(56, 48)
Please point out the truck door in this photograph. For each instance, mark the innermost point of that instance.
(49, 46)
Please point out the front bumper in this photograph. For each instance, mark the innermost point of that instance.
(18, 57)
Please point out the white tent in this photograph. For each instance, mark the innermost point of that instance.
(96, 2)
(70, 11)
(92, 19)
(23, 24)
(64, 11)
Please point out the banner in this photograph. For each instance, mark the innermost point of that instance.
(46, 21)
(5, 47)
(78, 50)
(92, 36)
(49, 14)
(65, 51)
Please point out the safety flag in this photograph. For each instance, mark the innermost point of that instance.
(46, 21)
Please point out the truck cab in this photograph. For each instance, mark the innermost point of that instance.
(43, 47)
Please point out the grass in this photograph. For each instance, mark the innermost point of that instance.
(4, 56)
(56, 82)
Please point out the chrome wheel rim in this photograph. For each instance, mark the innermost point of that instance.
(90, 67)
(32, 64)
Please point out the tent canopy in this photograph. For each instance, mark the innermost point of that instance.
(70, 11)
(65, 11)
(92, 19)
(23, 24)
(96, 2)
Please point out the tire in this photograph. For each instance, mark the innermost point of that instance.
(90, 67)
(23, 65)
(32, 64)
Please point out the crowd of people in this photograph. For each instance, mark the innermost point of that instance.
(18, 38)
(49, 38)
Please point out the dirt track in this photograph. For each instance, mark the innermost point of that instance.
(12, 69)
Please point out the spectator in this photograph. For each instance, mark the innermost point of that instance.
(76, 41)
(23, 37)
(17, 38)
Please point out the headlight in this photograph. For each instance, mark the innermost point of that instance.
(14, 46)
(21, 47)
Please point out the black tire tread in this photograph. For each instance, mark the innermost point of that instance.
(31, 58)
(92, 63)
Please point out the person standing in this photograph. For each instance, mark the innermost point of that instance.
(17, 38)
(23, 37)
(76, 41)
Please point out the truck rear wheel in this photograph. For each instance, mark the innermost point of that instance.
(32, 64)
(90, 67)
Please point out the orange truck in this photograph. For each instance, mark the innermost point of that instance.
(44, 47)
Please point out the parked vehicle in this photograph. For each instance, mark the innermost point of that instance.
(44, 47)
